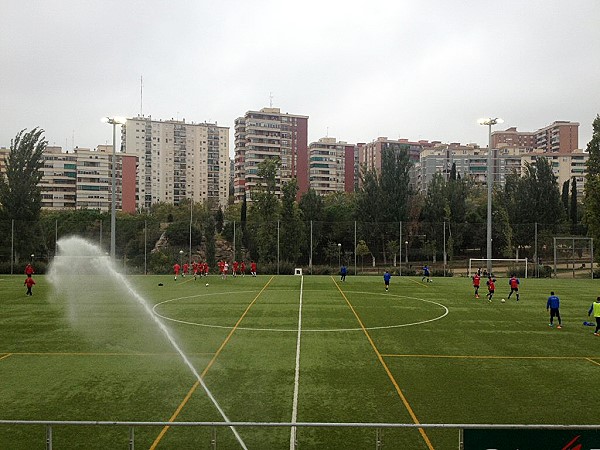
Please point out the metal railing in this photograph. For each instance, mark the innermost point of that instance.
(378, 439)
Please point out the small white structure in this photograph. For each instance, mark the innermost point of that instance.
(298, 271)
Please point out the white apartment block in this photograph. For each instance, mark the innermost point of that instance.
(178, 160)
(59, 179)
(565, 166)
(472, 162)
(326, 165)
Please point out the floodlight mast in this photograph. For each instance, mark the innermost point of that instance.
(489, 122)
(114, 121)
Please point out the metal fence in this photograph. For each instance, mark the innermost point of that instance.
(378, 435)
(144, 245)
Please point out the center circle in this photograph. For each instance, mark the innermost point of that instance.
(304, 330)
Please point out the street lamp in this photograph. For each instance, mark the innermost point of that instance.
(489, 122)
(181, 257)
(406, 253)
(339, 255)
(31, 261)
(114, 121)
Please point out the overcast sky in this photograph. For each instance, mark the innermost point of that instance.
(420, 69)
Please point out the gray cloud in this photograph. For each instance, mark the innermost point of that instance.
(418, 70)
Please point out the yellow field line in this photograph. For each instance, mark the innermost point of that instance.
(387, 370)
(482, 356)
(5, 356)
(208, 366)
(592, 361)
(418, 282)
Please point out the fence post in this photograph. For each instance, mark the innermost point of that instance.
(213, 438)
(378, 438)
(131, 438)
(49, 437)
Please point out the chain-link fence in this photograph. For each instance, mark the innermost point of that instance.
(145, 245)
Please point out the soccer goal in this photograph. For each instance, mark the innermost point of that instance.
(574, 256)
(500, 266)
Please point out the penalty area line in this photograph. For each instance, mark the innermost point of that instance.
(386, 369)
(207, 368)
(5, 356)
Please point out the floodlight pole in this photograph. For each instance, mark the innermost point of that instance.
(114, 121)
(489, 122)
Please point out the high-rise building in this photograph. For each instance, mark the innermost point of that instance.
(82, 179)
(265, 134)
(565, 166)
(559, 137)
(94, 179)
(331, 166)
(59, 179)
(178, 160)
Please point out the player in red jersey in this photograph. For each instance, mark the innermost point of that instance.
(29, 270)
(243, 268)
(176, 269)
(253, 268)
(235, 268)
(491, 287)
(514, 286)
(476, 282)
(186, 268)
(29, 283)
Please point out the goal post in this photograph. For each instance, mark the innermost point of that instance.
(573, 256)
(506, 265)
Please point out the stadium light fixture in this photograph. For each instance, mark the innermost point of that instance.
(489, 122)
(114, 121)
(339, 255)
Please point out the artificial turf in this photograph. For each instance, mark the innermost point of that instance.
(426, 352)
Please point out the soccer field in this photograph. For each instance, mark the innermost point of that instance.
(284, 348)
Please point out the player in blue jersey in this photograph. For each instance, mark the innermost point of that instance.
(386, 279)
(553, 305)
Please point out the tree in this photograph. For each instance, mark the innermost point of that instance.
(291, 226)
(565, 197)
(574, 209)
(383, 199)
(592, 184)
(20, 193)
(219, 220)
(265, 209)
(362, 250)
(311, 205)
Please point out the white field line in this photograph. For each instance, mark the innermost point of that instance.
(297, 371)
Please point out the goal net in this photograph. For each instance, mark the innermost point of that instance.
(500, 266)
(573, 257)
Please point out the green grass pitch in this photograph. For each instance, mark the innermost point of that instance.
(430, 353)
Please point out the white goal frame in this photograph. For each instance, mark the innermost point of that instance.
(505, 261)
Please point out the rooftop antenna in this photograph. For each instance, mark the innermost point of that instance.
(141, 96)
(270, 99)
(327, 132)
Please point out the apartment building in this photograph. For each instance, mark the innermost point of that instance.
(472, 162)
(369, 154)
(331, 166)
(178, 160)
(565, 166)
(59, 179)
(265, 134)
(559, 137)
